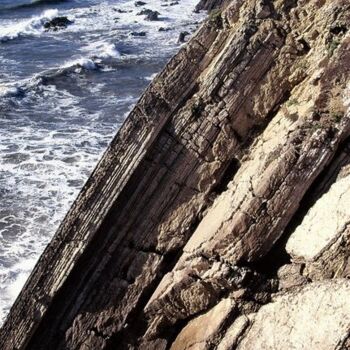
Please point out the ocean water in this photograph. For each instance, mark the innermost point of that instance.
(63, 96)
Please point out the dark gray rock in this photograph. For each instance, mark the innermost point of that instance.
(182, 37)
(139, 3)
(150, 14)
(57, 23)
(138, 33)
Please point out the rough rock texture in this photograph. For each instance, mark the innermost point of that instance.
(218, 217)
(321, 242)
(289, 320)
(209, 5)
(201, 333)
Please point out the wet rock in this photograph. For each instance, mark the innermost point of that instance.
(140, 3)
(182, 37)
(167, 29)
(121, 11)
(57, 23)
(138, 34)
(150, 14)
(173, 3)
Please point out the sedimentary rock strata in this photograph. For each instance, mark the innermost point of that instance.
(218, 217)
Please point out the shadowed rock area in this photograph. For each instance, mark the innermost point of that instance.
(219, 216)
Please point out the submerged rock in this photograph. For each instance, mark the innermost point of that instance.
(121, 11)
(167, 29)
(138, 33)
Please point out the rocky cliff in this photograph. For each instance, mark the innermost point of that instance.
(219, 216)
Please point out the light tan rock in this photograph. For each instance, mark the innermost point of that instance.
(233, 333)
(315, 317)
(324, 224)
(201, 333)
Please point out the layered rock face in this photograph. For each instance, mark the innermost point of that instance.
(219, 216)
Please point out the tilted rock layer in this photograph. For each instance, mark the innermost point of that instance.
(219, 216)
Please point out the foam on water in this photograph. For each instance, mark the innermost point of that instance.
(41, 176)
(32, 26)
(9, 91)
(104, 52)
(81, 62)
(59, 115)
(151, 77)
(102, 49)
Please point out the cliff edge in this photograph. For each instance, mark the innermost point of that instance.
(219, 216)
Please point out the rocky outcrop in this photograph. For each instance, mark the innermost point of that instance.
(321, 242)
(218, 216)
(57, 23)
(209, 5)
(289, 321)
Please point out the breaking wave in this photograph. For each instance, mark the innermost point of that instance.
(32, 26)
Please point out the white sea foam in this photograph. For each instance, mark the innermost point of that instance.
(151, 77)
(101, 52)
(74, 65)
(9, 91)
(82, 62)
(32, 26)
(108, 51)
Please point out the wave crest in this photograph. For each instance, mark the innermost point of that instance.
(32, 26)
(107, 54)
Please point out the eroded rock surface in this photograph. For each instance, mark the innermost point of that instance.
(303, 319)
(218, 216)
